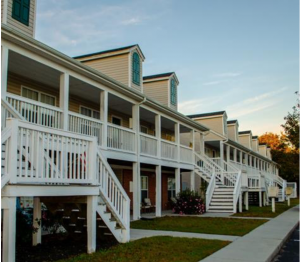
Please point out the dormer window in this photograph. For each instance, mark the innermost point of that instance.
(20, 11)
(136, 69)
(173, 92)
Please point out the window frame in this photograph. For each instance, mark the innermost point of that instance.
(136, 75)
(142, 126)
(20, 19)
(172, 190)
(146, 190)
(173, 92)
(120, 118)
(39, 95)
(92, 111)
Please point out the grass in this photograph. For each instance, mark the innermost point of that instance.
(255, 211)
(207, 225)
(159, 249)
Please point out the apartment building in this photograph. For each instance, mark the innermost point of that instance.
(91, 137)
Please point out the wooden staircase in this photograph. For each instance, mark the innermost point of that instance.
(222, 200)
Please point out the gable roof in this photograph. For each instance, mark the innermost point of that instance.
(110, 51)
(219, 113)
(163, 75)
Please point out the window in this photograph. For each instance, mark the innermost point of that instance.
(144, 129)
(173, 92)
(20, 11)
(38, 96)
(171, 188)
(89, 112)
(144, 187)
(116, 120)
(136, 74)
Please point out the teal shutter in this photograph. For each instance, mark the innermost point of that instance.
(136, 74)
(20, 11)
(173, 92)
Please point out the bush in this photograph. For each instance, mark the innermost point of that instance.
(189, 203)
(24, 225)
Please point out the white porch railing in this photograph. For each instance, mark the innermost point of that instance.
(120, 138)
(148, 145)
(168, 150)
(5, 167)
(85, 125)
(237, 191)
(204, 165)
(254, 182)
(40, 155)
(210, 190)
(36, 112)
(186, 154)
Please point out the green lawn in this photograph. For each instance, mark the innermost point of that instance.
(207, 225)
(159, 249)
(255, 211)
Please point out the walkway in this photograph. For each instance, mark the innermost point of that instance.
(141, 233)
(262, 244)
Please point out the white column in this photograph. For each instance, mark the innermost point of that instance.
(91, 223)
(247, 200)
(9, 230)
(37, 222)
(136, 126)
(260, 198)
(177, 180)
(228, 153)
(222, 160)
(158, 134)
(202, 144)
(4, 71)
(64, 99)
(158, 191)
(241, 157)
(241, 203)
(192, 180)
(136, 191)
(234, 154)
(104, 115)
(177, 140)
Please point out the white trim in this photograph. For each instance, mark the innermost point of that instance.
(34, 18)
(142, 133)
(92, 110)
(39, 95)
(120, 118)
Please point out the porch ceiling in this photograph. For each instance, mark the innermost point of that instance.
(30, 69)
(118, 104)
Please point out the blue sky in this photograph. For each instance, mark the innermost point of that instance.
(241, 56)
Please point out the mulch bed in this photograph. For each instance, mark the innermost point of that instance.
(54, 248)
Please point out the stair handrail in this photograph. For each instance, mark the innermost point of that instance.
(207, 166)
(14, 113)
(5, 137)
(120, 209)
(237, 190)
(210, 190)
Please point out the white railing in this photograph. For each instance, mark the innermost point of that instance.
(244, 179)
(120, 138)
(237, 191)
(41, 155)
(210, 190)
(85, 125)
(36, 112)
(5, 141)
(7, 111)
(186, 154)
(254, 182)
(168, 150)
(204, 166)
(113, 193)
(148, 145)
(294, 186)
(229, 178)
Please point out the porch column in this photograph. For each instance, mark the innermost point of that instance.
(136, 127)
(222, 160)
(136, 177)
(4, 71)
(241, 157)
(158, 191)
(64, 99)
(247, 200)
(202, 144)
(234, 154)
(104, 115)
(177, 140)
(177, 180)
(37, 222)
(241, 203)
(91, 223)
(158, 134)
(192, 187)
(260, 198)
(9, 228)
(228, 153)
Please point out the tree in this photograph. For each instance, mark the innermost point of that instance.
(274, 141)
(291, 126)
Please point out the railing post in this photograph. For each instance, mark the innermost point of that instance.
(158, 134)
(4, 70)
(104, 116)
(64, 100)
(92, 162)
(12, 147)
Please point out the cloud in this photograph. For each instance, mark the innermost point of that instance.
(228, 74)
(131, 21)
(213, 83)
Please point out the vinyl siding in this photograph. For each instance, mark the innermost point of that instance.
(28, 30)
(157, 90)
(215, 123)
(115, 67)
(2, 5)
(245, 141)
(263, 150)
(231, 130)
(255, 145)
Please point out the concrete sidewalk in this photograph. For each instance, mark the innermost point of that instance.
(141, 233)
(262, 244)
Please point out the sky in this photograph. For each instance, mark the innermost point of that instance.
(241, 56)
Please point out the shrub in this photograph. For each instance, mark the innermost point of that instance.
(189, 202)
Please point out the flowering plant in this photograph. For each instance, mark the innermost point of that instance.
(188, 202)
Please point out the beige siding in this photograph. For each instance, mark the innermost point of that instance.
(215, 123)
(125, 122)
(2, 6)
(157, 90)
(139, 88)
(231, 129)
(115, 67)
(255, 145)
(28, 30)
(263, 150)
(245, 140)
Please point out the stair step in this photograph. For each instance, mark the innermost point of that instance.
(221, 204)
(220, 211)
(102, 226)
(220, 207)
(222, 199)
(222, 193)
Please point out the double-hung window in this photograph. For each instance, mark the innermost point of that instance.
(144, 187)
(136, 69)
(171, 188)
(38, 96)
(173, 93)
(21, 10)
(89, 112)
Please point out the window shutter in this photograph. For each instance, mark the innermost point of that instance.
(173, 92)
(25, 11)
(136, 75)
(17, 9)
(20, 11)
